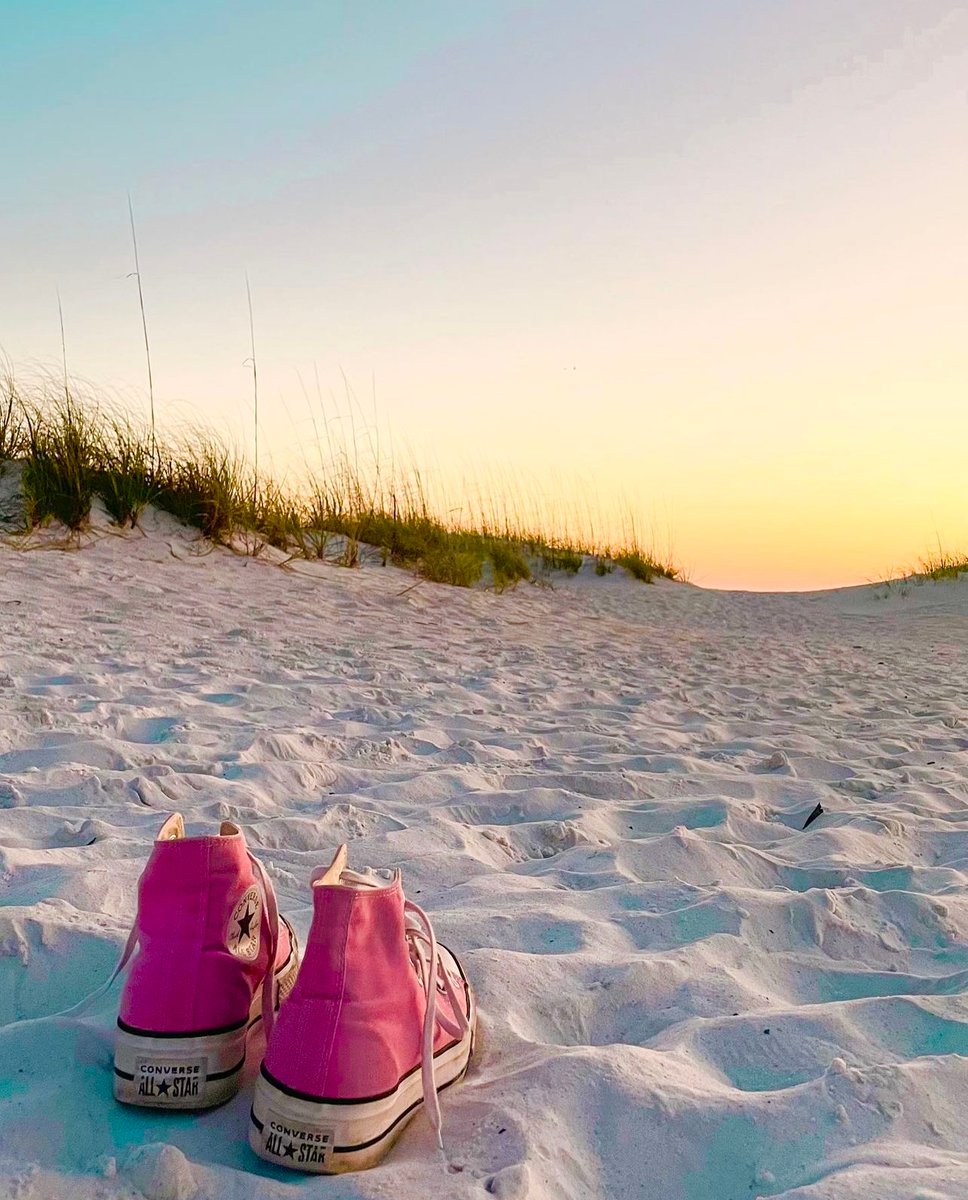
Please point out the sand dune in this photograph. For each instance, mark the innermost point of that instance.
(597, 791)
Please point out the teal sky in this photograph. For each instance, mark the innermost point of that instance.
(699, 261)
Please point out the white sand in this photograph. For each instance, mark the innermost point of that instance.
(596, 790)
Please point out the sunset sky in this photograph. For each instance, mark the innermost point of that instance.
(698, 263)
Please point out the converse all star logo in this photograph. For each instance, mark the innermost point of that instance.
(169, 1081)
(242, 935)
(298, 1145)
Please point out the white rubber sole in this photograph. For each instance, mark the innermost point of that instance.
(190, 1071)
(327, 1138)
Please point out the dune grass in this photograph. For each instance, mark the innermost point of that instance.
(75, 452)
(556, 557)
(640, 566)
(937, 566)
(59, 471)
(124, 471)
(13, 431)
(941, 565)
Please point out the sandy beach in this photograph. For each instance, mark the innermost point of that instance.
(522, 443)
(597, 790)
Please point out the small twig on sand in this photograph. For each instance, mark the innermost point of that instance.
(411, 587)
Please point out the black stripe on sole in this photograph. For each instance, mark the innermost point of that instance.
(260, 1126)
(231, 1071)
(311, 1099)
(406, 1113)
(188, 1033)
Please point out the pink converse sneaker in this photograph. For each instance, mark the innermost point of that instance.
(381, 1019)
(213, 957)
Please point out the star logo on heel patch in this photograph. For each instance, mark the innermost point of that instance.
(297, 1144)
(242, 935)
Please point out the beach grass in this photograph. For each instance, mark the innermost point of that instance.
(941, 564)
(59, 478)
(936, 567)
(75, 451)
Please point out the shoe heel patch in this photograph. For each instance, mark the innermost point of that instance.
(297, 1145)
(170, 1079)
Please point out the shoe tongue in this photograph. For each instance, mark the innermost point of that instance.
(338, 874)
(173, 829)
(330, 876)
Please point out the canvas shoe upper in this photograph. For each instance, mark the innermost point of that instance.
(381, 1019)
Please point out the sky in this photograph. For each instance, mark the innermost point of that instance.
(690, 269)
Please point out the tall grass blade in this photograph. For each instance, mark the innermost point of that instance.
(144, 319)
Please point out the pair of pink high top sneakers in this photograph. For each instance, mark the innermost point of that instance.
(375, 1022)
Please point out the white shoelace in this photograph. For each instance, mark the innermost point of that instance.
(82, 1006)
(270, 917)
(433, 975)
(432, 972)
